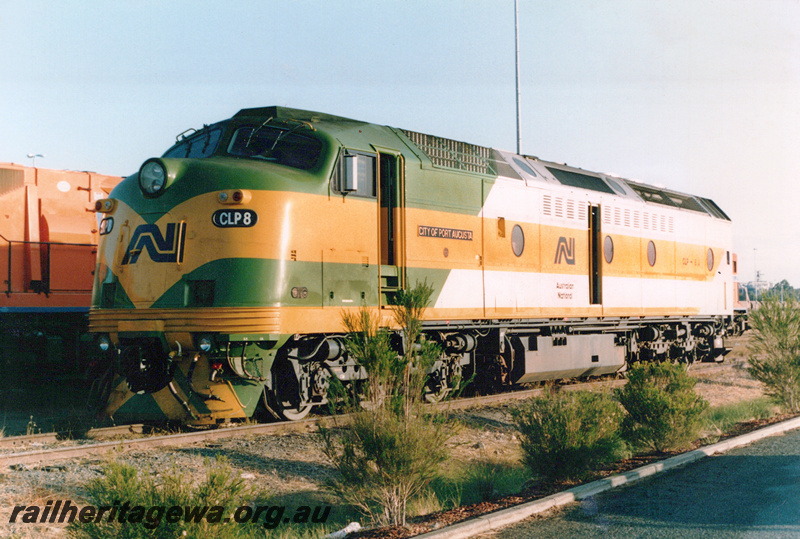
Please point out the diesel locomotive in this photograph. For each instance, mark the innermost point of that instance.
(225, 266)
(48, 251)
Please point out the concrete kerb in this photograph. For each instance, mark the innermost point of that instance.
(505, 517)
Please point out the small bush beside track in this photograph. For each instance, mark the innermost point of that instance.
(391, 450)
(662, 409)
(221, 487)
(775, 349)
(568, 434)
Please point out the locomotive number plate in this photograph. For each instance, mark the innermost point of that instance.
(234, 218)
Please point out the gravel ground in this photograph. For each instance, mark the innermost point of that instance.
(294, 463)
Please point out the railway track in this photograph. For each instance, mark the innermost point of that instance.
(11, 442)
(90, 442)
(42, 454)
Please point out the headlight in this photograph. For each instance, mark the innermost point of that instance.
(104, 343)
(204, 343)
(152, 177)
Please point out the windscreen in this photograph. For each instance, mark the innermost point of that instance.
(202, 144)
(277, 145)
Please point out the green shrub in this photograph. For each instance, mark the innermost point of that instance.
(221, 487)
(663, 411)
(567, 434)
(419, 355)
(472, 481)
(391, 451)
(489, 478)
(776, 350)
(369, 345)
(383, 460)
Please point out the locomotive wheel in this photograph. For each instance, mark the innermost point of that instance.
(293, 414)
(436, 387)
(286, 395)
(441, 382)
(99, 392)
(436, 396)
(281, 408)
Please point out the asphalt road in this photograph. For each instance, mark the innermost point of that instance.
(751, 492)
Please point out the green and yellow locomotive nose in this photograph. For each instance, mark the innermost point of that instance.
(191, 270)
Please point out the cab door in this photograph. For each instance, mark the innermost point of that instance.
(595, 257)
(350, 254)
(390, 217)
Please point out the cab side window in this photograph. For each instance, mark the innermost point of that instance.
(355, 174)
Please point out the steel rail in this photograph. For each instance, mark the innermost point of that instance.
(306, 425)
(37, 456)
(64, 435)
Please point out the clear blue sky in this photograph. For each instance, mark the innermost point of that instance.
(701, 96)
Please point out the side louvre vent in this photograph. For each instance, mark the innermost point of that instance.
(547, 205)
(453, 154)
(11, 180)
(559, 207)
(565, 208)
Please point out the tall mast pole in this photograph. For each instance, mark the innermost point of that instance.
(516, 63)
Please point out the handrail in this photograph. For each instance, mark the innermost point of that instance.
(45, 269)
(49, 242)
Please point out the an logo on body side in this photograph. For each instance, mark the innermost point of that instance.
(565, 251)
(166, 248)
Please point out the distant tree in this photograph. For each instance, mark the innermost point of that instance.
(783, 290)
(751, 290)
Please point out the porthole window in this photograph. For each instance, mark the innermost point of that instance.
(608, 249)
(710, 260)
(517, 240)
(651, 253)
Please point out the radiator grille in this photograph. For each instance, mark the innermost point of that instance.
(453, 154)
(11, 180)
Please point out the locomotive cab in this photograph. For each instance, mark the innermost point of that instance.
(203, 250)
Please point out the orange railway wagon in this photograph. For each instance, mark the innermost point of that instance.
(48, 244)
